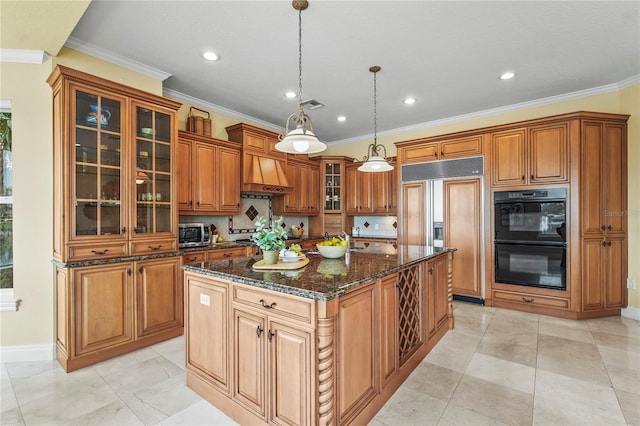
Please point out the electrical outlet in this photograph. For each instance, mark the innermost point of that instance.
(205, 299)
(376, 226)
(631, 283)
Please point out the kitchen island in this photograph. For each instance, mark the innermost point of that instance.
(325, 344)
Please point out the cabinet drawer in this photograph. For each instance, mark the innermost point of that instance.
(271, 302)
(529, 299)
(229, 253)
(194, 257)
(152, 247)
(94, 251)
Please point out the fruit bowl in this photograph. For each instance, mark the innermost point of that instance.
(297, 233)
(332, 252)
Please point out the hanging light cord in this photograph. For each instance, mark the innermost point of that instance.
(375, 110)
(300, 58)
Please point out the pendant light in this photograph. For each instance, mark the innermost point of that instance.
(300, 140)
(373, 161)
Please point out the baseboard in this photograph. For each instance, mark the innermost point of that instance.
(468, 299)
(27, 353)
(631, 312)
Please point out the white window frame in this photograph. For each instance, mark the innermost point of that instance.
(8, 301)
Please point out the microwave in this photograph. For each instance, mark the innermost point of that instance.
(194, 235)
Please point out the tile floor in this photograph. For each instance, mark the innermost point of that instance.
(498, 367)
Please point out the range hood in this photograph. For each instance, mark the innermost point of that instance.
(263, 174)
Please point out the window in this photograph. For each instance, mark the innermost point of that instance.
(7, 301)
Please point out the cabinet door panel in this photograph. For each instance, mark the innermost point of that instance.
(290, 374)
(614, 281)
(462, 231)
(249, 371)
(592, 297)
(229, 187)
(413, 208)
(159, 295)
(380, 191)
(389, 327)
(591, 178)
(209, 321)
(614, 188)
(356, 351)
(103, 303)
(205, 178)
(548, 154)
(183, 172)
(507, 158)
(352, 198)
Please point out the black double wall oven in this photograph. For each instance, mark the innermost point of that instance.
(530, 242)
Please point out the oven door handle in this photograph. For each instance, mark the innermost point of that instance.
(530, 243)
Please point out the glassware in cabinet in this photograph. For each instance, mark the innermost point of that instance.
(332, 196)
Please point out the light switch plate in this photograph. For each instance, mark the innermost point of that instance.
(205, 299)
(631, 283)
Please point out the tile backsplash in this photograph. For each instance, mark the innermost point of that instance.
(241, 226)
(377, 226)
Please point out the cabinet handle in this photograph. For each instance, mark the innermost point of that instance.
(270, 335)
(522, 178)
(258, 331)
(198, 203)
(238, 205)
(533, 177)
(140, 269)
(123, 230)
(264, 305)
(129, 271)
(527, 300)
(191, 259)
(609, 228)
(441, 153)
(154, 248)
(608, 243)
(190, 203)
(430, 271)
(100, 252)
(226, 254)
(603, 227)
(604, 243)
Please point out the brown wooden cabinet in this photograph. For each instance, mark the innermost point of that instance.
(208, 175)
(385, 192)
(437, 148)
(462, 230)
(114, 168)
(389, 354)
(359, 191)
(530, 155)
(437, 289)
(304, 198)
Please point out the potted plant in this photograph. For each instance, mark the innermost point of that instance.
(270, 240)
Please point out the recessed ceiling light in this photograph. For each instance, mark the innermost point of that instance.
(342, 118)
(507, 75)
(409, 101)
(210, 56)
(290, 95)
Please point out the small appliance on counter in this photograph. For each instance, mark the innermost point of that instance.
(194, 235)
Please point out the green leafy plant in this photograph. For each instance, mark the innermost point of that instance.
(269, 239)
(5, 131)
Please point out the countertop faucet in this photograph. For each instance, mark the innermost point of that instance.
(347, 237)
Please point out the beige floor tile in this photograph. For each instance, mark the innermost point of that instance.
(525, 355)
(11, 417)
(506, 373)
(567, 332)
(615, 325)
(625, 379)
(555, 393)
(408, 407)
(142, 375)
(505, 334)
(458, 416)
(471, 325)
(116, 413)
(433, 380)
(577, 349)
(454, 351)
(630, 404)
(199, 414)
(619, 358)
(570, 365)
(627, 342)
(575, 324)
(516, 320)
(497, 402)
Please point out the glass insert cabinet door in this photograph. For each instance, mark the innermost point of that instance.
(332, 186)
(98, 160)
(153, 134)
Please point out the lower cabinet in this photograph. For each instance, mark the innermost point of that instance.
(437, 290)
(107, 310)
(604, 260)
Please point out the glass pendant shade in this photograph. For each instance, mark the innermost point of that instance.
(375, 164)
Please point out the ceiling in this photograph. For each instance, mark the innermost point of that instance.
(448, 54)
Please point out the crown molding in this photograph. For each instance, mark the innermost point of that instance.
(174, 94)
(100, 53)
(608, 88)
(23, 56)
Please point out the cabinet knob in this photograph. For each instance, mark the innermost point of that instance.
(190, 203)
(609, 228)
(129, 271)
(198, 203)
(258, 331)
(608, 243)
(154, 248)
(522, 178)
(604, 243)
(140, 269)
(123, 230)
(430, 271)
(603, 227)
(441, 153)
(226, 254)
(270, 335)
(533, 177)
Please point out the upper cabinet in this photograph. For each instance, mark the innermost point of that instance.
(114, 164)
(208, 175)
(304, 199)
(263, 168)
(421, 150)
(530, 155)
(371, 193)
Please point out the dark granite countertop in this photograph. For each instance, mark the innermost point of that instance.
(93, 262)
(323, 279)
(215, 246)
